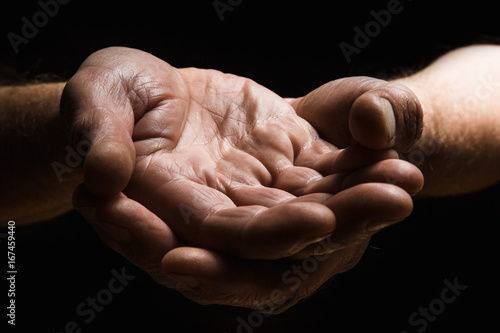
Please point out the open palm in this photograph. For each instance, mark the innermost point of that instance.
(230, 168)
(216, 161)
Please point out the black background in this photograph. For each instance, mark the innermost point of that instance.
(291, 48)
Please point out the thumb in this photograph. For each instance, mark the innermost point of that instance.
(375, 113)
(389, 116)
(108, 166)
(110, 158)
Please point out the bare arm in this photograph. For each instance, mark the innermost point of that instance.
(39, 172)
(457, 148)
(460, 147)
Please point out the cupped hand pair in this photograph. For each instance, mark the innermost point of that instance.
(220, 189)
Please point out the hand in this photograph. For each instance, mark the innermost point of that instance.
(169, 133)
(372, 112)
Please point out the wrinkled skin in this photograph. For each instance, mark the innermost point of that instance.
(192, 175)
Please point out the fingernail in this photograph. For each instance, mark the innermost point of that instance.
(186, 280)
(118, 234)
(389, 119)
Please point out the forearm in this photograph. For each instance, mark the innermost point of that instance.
(460, 147)
(40, 171)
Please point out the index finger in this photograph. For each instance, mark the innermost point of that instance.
(206, 217)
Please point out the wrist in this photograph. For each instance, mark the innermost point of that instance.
(34, 142)
(459, 151)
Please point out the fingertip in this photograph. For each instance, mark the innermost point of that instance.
(371, 201)
(391, 171)
(319, 218)
(390, 203)
(372, 121)
(108, 168)
(411, 178)
(284, 230)
(389, 116)
(190, 261)
(402, 206)
(401, 200)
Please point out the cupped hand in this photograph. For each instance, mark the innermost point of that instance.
(220, 160)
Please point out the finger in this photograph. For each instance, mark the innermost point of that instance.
(108, 166)
(256, 195)
(295, 179)
(91, 118)
(391, 171)
(272, 233)
(360, 211)
(371, 206)
(209, 277)
(397, 172)
(352, 158)
(109, 99)
(207, 218)
(127, 227)
(271, 146)
(386, 117)
(247, 175)
(276, 144)
(340, 111)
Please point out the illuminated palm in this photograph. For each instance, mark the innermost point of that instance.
(216, 154)
(220, 160)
